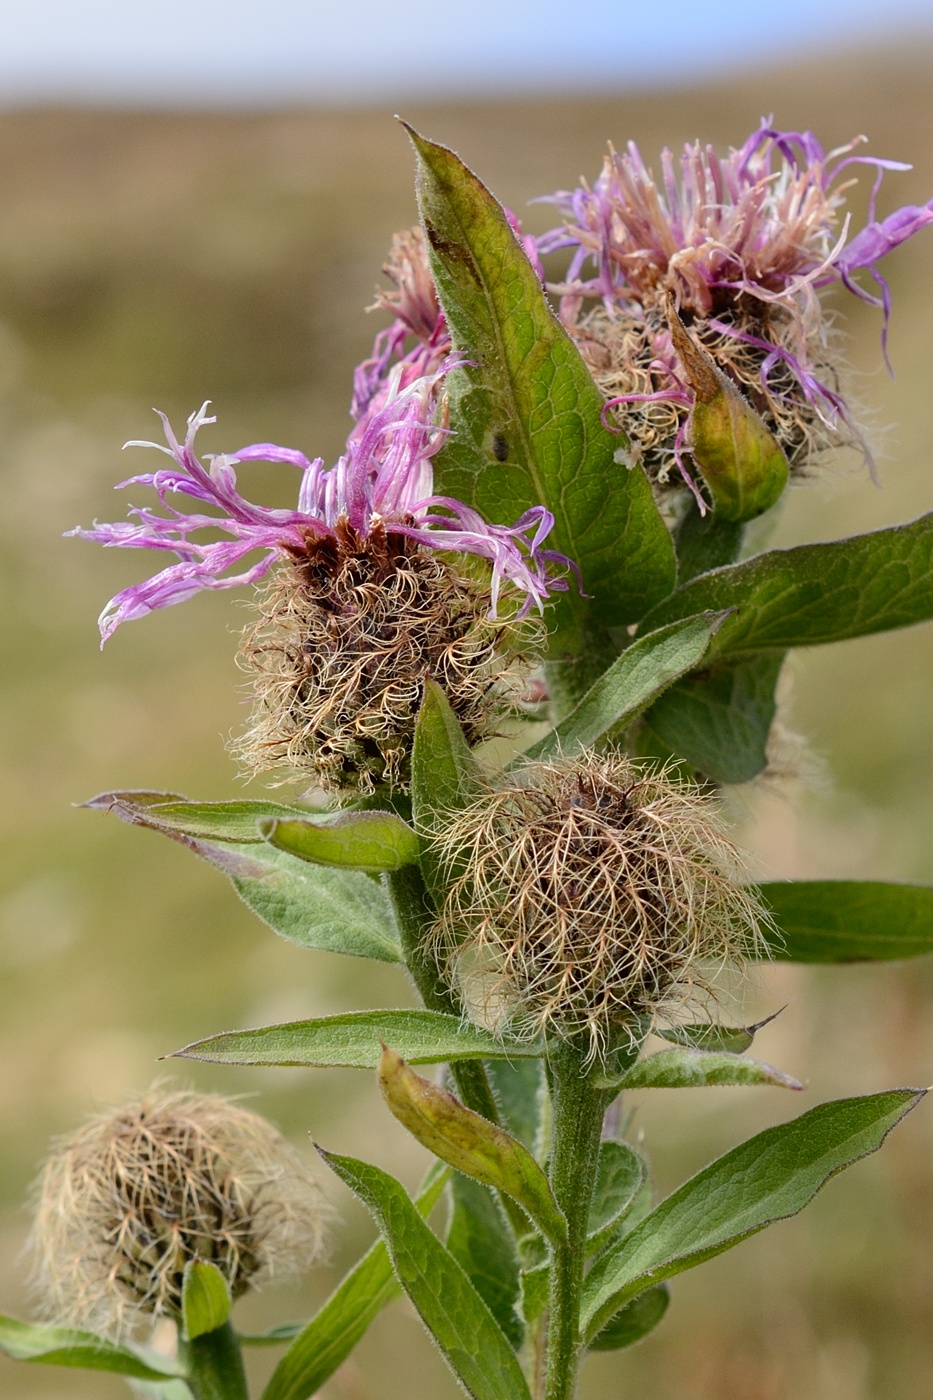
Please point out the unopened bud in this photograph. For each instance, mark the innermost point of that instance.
(739, 458)
(469, 1142)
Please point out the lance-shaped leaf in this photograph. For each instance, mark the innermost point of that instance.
(822, 921)
(330, 1336)
(374, 841)
(687, 1068)
(450, 1307)
(205, 1299)
(480, 1240)
(739, 458)
(444, 775)
(709, 1036)
(636, 1320)
(469, 1142)
(630, 684)
(208, 821)
(770, 1177)
(815, 593)
(67, 1346)
(719, 720)
(354, 1039)
(526, 414)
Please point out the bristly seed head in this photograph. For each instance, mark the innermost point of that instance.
(590, 895)
(126, 1201)
(347, 633)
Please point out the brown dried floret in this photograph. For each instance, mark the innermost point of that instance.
(128, 1199)
(590, 895)
(347, 633)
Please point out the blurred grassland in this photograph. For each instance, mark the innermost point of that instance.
(164, 258)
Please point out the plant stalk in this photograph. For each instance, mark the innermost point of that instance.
(214, 1365)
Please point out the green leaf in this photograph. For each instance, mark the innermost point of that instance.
(444, 775)
(815, 593)
(770, 1177)
(479, 1239)
(450, 1307)
(205, 1299)
(719, 720)
(688, 1068)
(630, 684)
(67, 1346)
(354, 1040)
(620, 1175)
(519, 1089)
(374, 841)
(636, 1320)
(275, 1337)
(338, 911)
(210, 821)
(822, 921)
(709, 1036)
(469, 1142)
(527, 416)
(330, 1336)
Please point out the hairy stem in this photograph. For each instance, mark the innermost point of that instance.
(214, 1365)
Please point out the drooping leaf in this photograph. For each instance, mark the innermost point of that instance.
(450, 1307)
(719, 720)
(770, 1177)
(444, 775)
(636, 1320)
(330, 1336)
(814, 593)
(374, 841)
(338, 911)
(205, 1299)
(620, 1175)
(354, 1040)
(823, 921)
(68, 1346)
(481, 1242)
(630, 684)
(469, 1142)
(689, 1068)
(207, 821)
(526, 414)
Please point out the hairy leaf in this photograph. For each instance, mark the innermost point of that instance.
(375, 841)
(815, 593)
(636, 1320)
(526, 414)
(688, 1068)
(480, 1240)
(444, 775)
(67, 1346)
(354, 1040)
(330, 1336)
(209, 821)
(630, 684)
(770, 1177)
(205, 1299)
(450, 1307)
(620, 1176)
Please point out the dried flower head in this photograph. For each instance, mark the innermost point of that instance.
(743, 244)
(369, 597)
(126, 1201)
(589, 895)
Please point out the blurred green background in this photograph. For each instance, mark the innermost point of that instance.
(163, 258)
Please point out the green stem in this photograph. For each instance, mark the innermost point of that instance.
(415, 913)
(214, 1365)
(578, 1109)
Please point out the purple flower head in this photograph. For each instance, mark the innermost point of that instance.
(744, 244)
(384, 480)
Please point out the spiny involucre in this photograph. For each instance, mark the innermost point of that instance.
(128, 1199)
(590, 894)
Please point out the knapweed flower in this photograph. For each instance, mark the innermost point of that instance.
(589, 894)
(126, 1201)
(378, 582)
(742, 246)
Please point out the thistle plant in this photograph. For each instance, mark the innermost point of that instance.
(539, 514)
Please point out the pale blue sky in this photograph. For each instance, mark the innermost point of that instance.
(268, 51)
